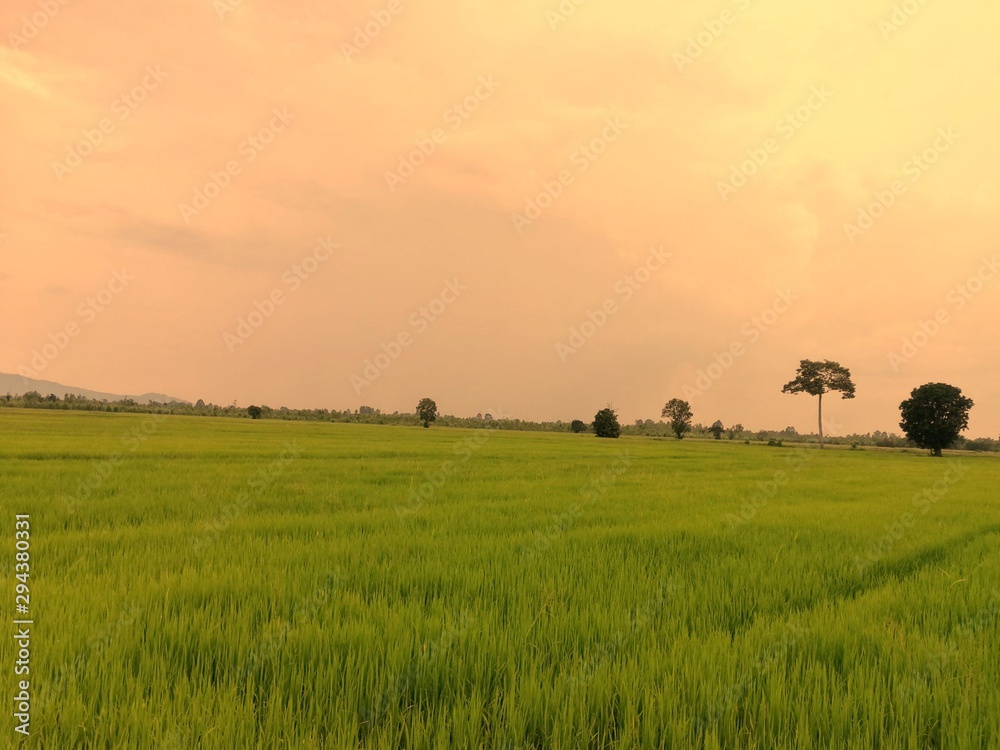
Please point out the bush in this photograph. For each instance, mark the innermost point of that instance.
(982, 445)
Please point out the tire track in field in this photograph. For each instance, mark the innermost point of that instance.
(881, 575)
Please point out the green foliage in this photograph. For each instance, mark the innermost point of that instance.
(717, 429)
(427, 411)
(679, 414)
(935, 415)
(578, 425)
(254, 412)
(817, 378)
(983, 445)
(606, 424)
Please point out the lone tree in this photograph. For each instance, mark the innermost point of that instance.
(577, 425)
(679, 413)
(427, 411)
(817, 378)
(717, 429)
(934, 415)
(254, 411)
(606, 424)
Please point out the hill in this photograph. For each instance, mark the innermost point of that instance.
(17, 385)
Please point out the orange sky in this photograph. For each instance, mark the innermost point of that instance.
(463, 184)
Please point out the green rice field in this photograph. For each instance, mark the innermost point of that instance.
(217, 583)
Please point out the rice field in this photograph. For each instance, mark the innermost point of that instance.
(215, 583)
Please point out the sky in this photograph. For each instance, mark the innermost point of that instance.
(531, 208)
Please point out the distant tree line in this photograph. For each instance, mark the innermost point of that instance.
(610, 428)
(933, 417)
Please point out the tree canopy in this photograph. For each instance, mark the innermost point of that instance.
(934, 415)
(606, 424)
(679, 413)
(427, 411)
(816, 378)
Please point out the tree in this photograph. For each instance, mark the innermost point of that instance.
(577, 425)
(735, 430)
(717, 428)
(606, 424)
(254, 411)
(679, 413)
(427, 411)
(817, 378)
(934, 415)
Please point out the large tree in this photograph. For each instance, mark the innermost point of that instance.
(679, 413)
(717, 428)
(817, 378)
(427, 411)
(606, 424)
(934, 415)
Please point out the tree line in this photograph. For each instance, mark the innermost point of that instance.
(933, 417)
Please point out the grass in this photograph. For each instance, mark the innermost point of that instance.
(227, 583)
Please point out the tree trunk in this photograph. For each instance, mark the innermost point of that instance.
(821, 421)
(937, 452)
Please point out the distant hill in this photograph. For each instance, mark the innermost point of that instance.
(17, 385)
